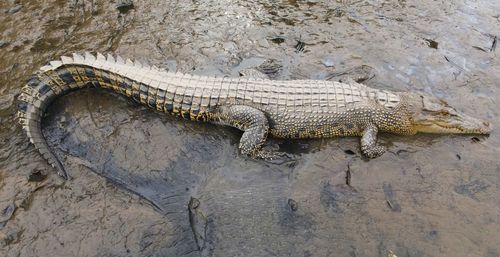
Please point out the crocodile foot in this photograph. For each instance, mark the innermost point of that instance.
(275, 157)
(374, 151)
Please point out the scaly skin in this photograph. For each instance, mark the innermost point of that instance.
(259, 107)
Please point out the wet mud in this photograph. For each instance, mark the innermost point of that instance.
(146, 184)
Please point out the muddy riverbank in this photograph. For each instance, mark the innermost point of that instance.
(427, 196)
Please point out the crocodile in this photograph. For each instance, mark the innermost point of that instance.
(293, 109)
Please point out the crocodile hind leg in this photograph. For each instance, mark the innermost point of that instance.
(369, 146)
(254, 125)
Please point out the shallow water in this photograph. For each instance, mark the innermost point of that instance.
(427, 196)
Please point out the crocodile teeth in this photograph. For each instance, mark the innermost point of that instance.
(137, 64)
(78, 58)
(66, 60)
(130, 62)
(110, 58)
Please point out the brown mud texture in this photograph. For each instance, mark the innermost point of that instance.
(146, 184)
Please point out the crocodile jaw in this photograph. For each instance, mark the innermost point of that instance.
(436, 116)
(469, 126)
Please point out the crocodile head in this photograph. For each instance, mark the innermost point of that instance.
(432, 115)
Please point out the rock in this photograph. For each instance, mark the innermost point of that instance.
(3, 43)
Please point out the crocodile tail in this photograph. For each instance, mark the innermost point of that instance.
(31, 104)
(59, 78)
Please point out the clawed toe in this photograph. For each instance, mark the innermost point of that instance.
(273, 157)
(279, 158)
(374, 152)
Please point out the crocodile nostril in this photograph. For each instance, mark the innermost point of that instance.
(487, 124)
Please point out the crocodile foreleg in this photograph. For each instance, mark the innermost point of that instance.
(369, 146)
